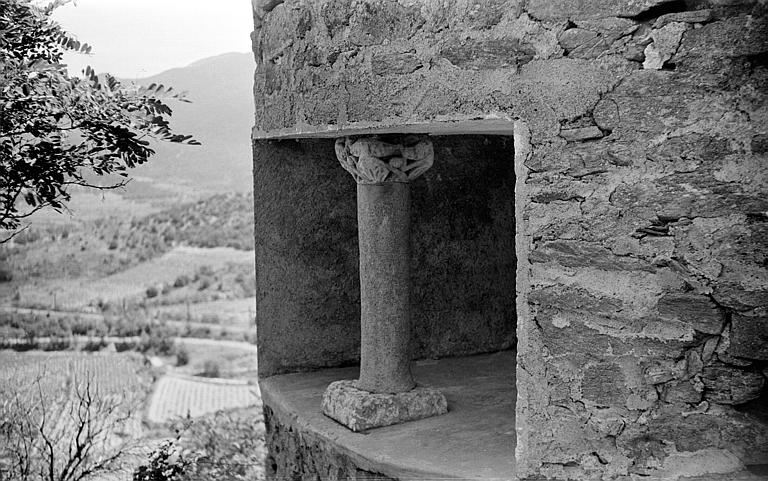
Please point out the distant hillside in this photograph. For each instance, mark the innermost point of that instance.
(220, 116)
(224, 220)
(103, 246)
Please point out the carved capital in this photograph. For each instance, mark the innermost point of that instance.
(372, 161)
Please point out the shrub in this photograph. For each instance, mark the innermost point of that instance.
(159, 340)
(5, 275)
(211, 368)
(167, 463)
(182, 356)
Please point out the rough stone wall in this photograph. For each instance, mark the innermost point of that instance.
(641, 191)
(462, 253)
(296, 454)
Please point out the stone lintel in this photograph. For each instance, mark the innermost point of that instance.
(491, 124)
(362, 410)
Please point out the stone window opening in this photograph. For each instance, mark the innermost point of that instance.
(461, 287)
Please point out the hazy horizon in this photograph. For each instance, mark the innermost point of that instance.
(141, 38)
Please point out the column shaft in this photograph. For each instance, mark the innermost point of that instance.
(383, 214)
(384, 394)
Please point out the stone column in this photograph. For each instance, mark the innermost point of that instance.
(383, 220)
(385, 392)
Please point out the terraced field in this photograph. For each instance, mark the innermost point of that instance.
(111, 373)
(178, 396)
(236, 314)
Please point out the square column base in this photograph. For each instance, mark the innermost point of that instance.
(361, 410)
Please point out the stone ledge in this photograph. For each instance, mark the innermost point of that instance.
(362, 410)
(475, 439)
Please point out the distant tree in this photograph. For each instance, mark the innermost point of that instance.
(57, 131)
(47, 436)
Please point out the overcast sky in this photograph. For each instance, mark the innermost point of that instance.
(139, 38)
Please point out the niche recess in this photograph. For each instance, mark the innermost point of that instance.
(462, 295)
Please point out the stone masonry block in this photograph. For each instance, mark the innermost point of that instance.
(694, 309)
(361, 410)
(749, 337)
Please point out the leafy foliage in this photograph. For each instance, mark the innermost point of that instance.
(225, 445)
(57, 131)
(165, 464)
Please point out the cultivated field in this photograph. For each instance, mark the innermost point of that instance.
(237, 314)
(178, 396)
(228, 359)
(132, 283)
(110, 373)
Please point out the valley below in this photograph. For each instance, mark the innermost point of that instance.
(140, 300)
(152, 306)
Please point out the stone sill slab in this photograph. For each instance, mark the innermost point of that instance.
(475, 439)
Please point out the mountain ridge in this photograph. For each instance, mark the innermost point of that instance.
(220, 116)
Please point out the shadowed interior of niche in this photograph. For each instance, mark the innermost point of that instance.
(462, 253)
(463, 248)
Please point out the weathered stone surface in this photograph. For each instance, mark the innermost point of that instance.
(582, 254)
(759, 143)
(594, 38)
(580, 134)
(395, 63)
(693, 16)
(604, 384)
(732, 37)
(659, 371)
(361, 410)
(666, 40)
(695, 309)
(709, 349)
(749, 337)
(297, 454)
(682, 392)
(564, 332)
(729, 385)
(609, 422)
(725, 428)
(563, 9)
(487, 54)
(669, 197)
(706, 463)
(574, 38)
(574, 299)
(373, 22)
